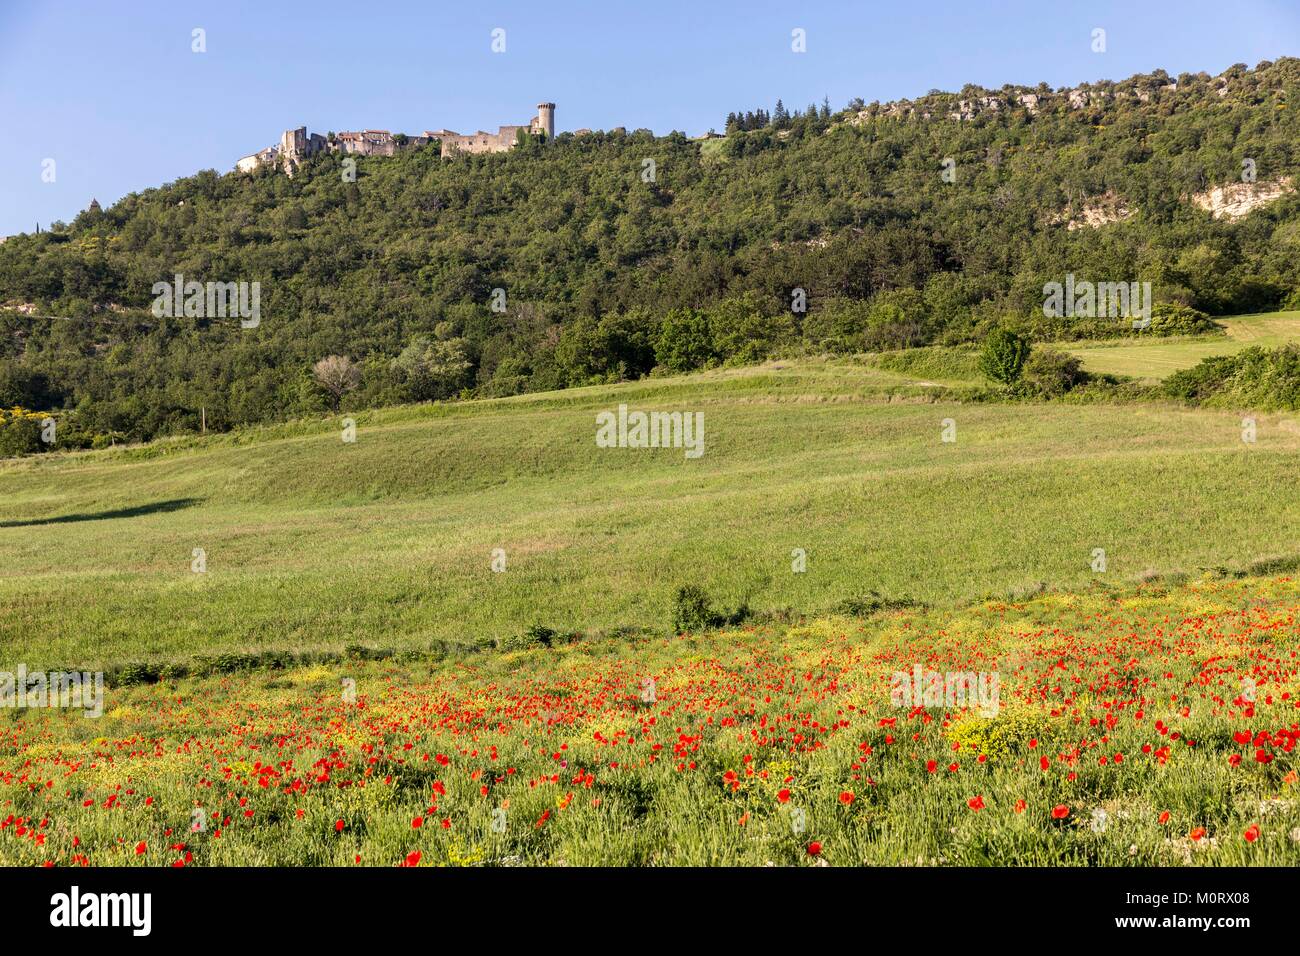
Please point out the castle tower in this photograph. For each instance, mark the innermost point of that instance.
(293, 141)
(546, 119)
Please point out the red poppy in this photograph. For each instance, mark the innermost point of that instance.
(783, 796)
(976, 802)
(846, 797)
(1060, 811)
(1251, 834)
(814, 848)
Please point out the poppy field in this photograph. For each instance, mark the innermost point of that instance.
(1150, 726)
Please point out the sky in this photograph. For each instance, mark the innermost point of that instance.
(113, 92)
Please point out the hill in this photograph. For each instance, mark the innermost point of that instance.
(606, 273)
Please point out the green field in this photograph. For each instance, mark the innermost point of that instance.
(413, 722)
(1157, 359)
(314, 543)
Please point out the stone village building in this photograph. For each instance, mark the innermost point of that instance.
(297, 144)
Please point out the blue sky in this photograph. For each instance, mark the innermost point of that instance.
(113, 93)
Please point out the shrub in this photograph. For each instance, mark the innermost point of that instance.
(20, 432)
(872, 603)
(1253, 378)
(1181, 320)
(1049, 373)
(540, 634)
(232, 663)
(1003, 357)
(537, 635)
(1202, 380)
(1001, 737)
(173, 671)
(135, 673)
(693, 611)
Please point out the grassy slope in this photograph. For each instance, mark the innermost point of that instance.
(315, 543)
(1158, 359)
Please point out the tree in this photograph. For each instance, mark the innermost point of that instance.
(23, 387)
(337, 374)
(685, 341)
(433, 368)
(744, 332)
(1004, 356)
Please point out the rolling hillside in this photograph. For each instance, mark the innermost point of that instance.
(314, 543)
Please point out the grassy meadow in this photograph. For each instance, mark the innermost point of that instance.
(312, 542)
(1158, 358)
(427, 732)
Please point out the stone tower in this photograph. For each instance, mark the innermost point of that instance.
(546, 119)
(293, 142)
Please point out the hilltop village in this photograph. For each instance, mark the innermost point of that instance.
(297, 144)
(970, 104)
